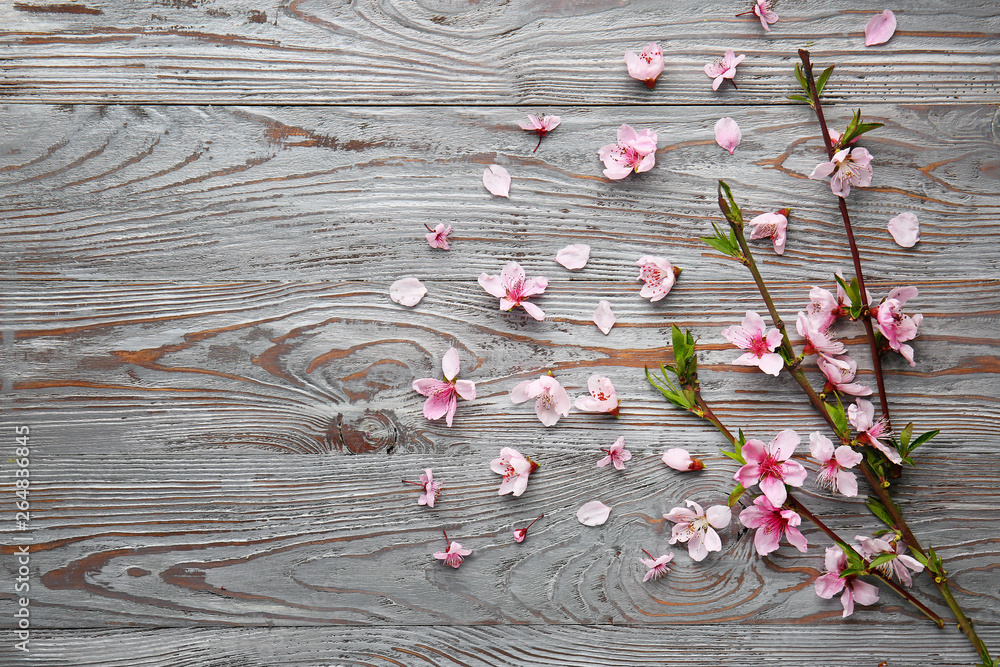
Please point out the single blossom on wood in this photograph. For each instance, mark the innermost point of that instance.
(603, 397)
(646, 66)
(880, 28)
(515, 469)
(760, 345)
(862, 418)
(431, 487)
(657, 566)
(768, 465)
(497, 180)
(849, 166)
(514, 289)
(634, 152)
(680, 460)
(455, 555)
(839, 373)
(772, 523)
(551, 400)
(834, 464)
(772, 226)
(616, 455)
(540, 126)
(603, 317)
(407, 292)
(725, 68)
(574, 256)
(658, 275)
(899, 566)
(697, 527)
(854, 589)
(896, 326)
(521, 533)
(438, 237)
(762, 9)
(442, 395)
(905, 229)
(727, 134)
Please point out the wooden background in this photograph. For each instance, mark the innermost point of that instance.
(204, 203)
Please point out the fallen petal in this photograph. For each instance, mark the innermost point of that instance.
(727, 134)
(593, 513)
(574, 256)
(880, 28)
(905, 229)
(497, 180)
(407, 291)
(603, 317)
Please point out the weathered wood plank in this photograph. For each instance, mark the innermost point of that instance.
(179, 541)
(525, 52)
(344, 193)
(858, 645)
(322, 368)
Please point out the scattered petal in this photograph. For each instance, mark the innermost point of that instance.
(905, 229)
(880, 28)
(727, 134)
(603, 317)
(497, 180)
(407, 291)
(679, 459)
(593, 513)
(574, 256)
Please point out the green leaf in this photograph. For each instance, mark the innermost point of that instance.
(736, 494)
(800, 75)
(821, 81)
(839, 418)
(853, 570)
(919, 557)
(879, 510)
(923, 438)
(800, 98)
(881, 560)
(728, 205)
(904, 438)
(852, 290)
(734, 456)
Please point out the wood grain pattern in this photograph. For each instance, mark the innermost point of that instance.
(509, 646)
(301, 540)
(495, 52)
(192, 193)
(324, 368)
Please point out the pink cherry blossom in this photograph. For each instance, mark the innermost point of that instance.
(831, 583)
(862, 418)
(497, 180)
(438, 237)
(899, 566)
(513, 289)
(727, 134)
(442, 396)
(635, 151)
(658, 275)
(894, 324)
(817, 341)
(521, 533)
(824, 308)
(762, 9)
(431, 487)
(849, 166)
(723, 69)
(771, 226)
(905, 229)
(647, 65)
(759, 345)
(603, 397)
(771, 523)
(603, 317)
(574, 256)
(455, 554)
(697, 526)
(551, 400)
(540, 126)
(657, 566)
(834, 464)
(594, 513)
(616, 454)
(679, 459)
(880, 28)
(515, 470)
(768, 466)
(407, 291)
(840, 372)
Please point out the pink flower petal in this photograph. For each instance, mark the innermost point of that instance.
(679, 459)
(574, 256)
(450, 364)
(727, 134)
(497, 180)
(880, 28)
(603, 317)
(407, 291)
(905, 229)
(593, 513)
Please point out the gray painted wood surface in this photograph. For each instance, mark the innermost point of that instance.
(196, 326)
